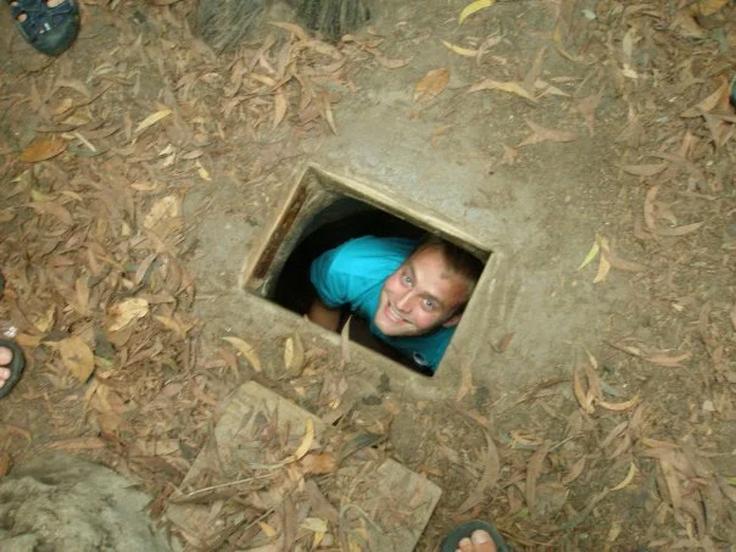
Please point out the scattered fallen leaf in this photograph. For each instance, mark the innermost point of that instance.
(619, 407)
(389, 63)
(679, 230)
(123, 313)
(467, 52)
(77, 357)
(644, 170)
(533, 471)
(152, 119)
(307, 441)
(575, 471)
(202, 172)
(586, 107)
(541, 134)
(649, 209)
(584, 398)
(294, 355)
(594, 249)
(511, 87)
(319, 464)
(43, 148)
(662, 359)
(604, 266)
(245, 349)
(432, 84)
(710, 102)
(166, 207)
(280, 104)
(472, 8)
(708, 7)
(628, 479)
(504, 342)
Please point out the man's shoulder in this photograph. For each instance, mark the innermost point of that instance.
(370, 254)
(374, 247)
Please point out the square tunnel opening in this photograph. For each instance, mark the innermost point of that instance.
(322, 211)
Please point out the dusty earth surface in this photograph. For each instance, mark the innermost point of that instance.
(590, 142)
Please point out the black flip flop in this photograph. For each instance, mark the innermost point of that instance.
(16, 366)
(450, 544)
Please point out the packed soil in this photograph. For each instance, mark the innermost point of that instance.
(135, 163)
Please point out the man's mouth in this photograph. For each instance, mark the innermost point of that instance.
(394, 315)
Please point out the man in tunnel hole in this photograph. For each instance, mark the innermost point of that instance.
(411, 294)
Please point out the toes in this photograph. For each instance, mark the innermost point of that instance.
(6, 355)
(465, 545)
(4, 375)
(482, 541)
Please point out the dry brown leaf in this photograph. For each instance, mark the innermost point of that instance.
(6, 462)
(166, 207)
(488, 480)
(43, 148)
(533, 471)
(628, 479)
(280, 105)
(622, 264)
(619, 407)
(604, 265)
(584, 398)
(123, 313)
(77, 357)
(152, 119)
(389, 63)
(432, 84)
(679, 230)
(575, 471)
(644, 170)
(245, 349)
(294, 355)
(327, 113)
(319, 464)
(719, 97)
(307, 440)
(586, 107)
(541, 134)
(649, 209)
(662, 359)
(707, 7)
(293, 28)
(511, 87)
(504, 342)
(54, 209)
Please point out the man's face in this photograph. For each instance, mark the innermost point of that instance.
(423, 294)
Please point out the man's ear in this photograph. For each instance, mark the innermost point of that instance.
(453, 320)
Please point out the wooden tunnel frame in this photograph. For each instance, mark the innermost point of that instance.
(317, 189)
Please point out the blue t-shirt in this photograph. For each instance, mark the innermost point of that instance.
(353, 275)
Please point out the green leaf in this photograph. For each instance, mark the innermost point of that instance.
(591, 255)
(473, 7)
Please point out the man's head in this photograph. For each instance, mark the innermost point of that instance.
(429, 290)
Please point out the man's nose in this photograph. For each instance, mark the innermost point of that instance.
(404, 302)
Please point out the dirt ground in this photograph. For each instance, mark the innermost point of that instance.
(139, 166)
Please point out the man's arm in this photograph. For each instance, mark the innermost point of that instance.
(321, 314)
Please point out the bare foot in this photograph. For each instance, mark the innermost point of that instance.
(479, 541)
(6, 356)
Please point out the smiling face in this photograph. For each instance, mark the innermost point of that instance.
(422, 295)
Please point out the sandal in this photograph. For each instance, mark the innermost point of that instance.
(16, 366)
(48, 29)
(451, 542)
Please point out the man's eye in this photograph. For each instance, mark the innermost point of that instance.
(429, 304)
(406, 279)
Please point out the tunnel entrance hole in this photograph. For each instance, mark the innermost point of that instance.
(321, 212)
